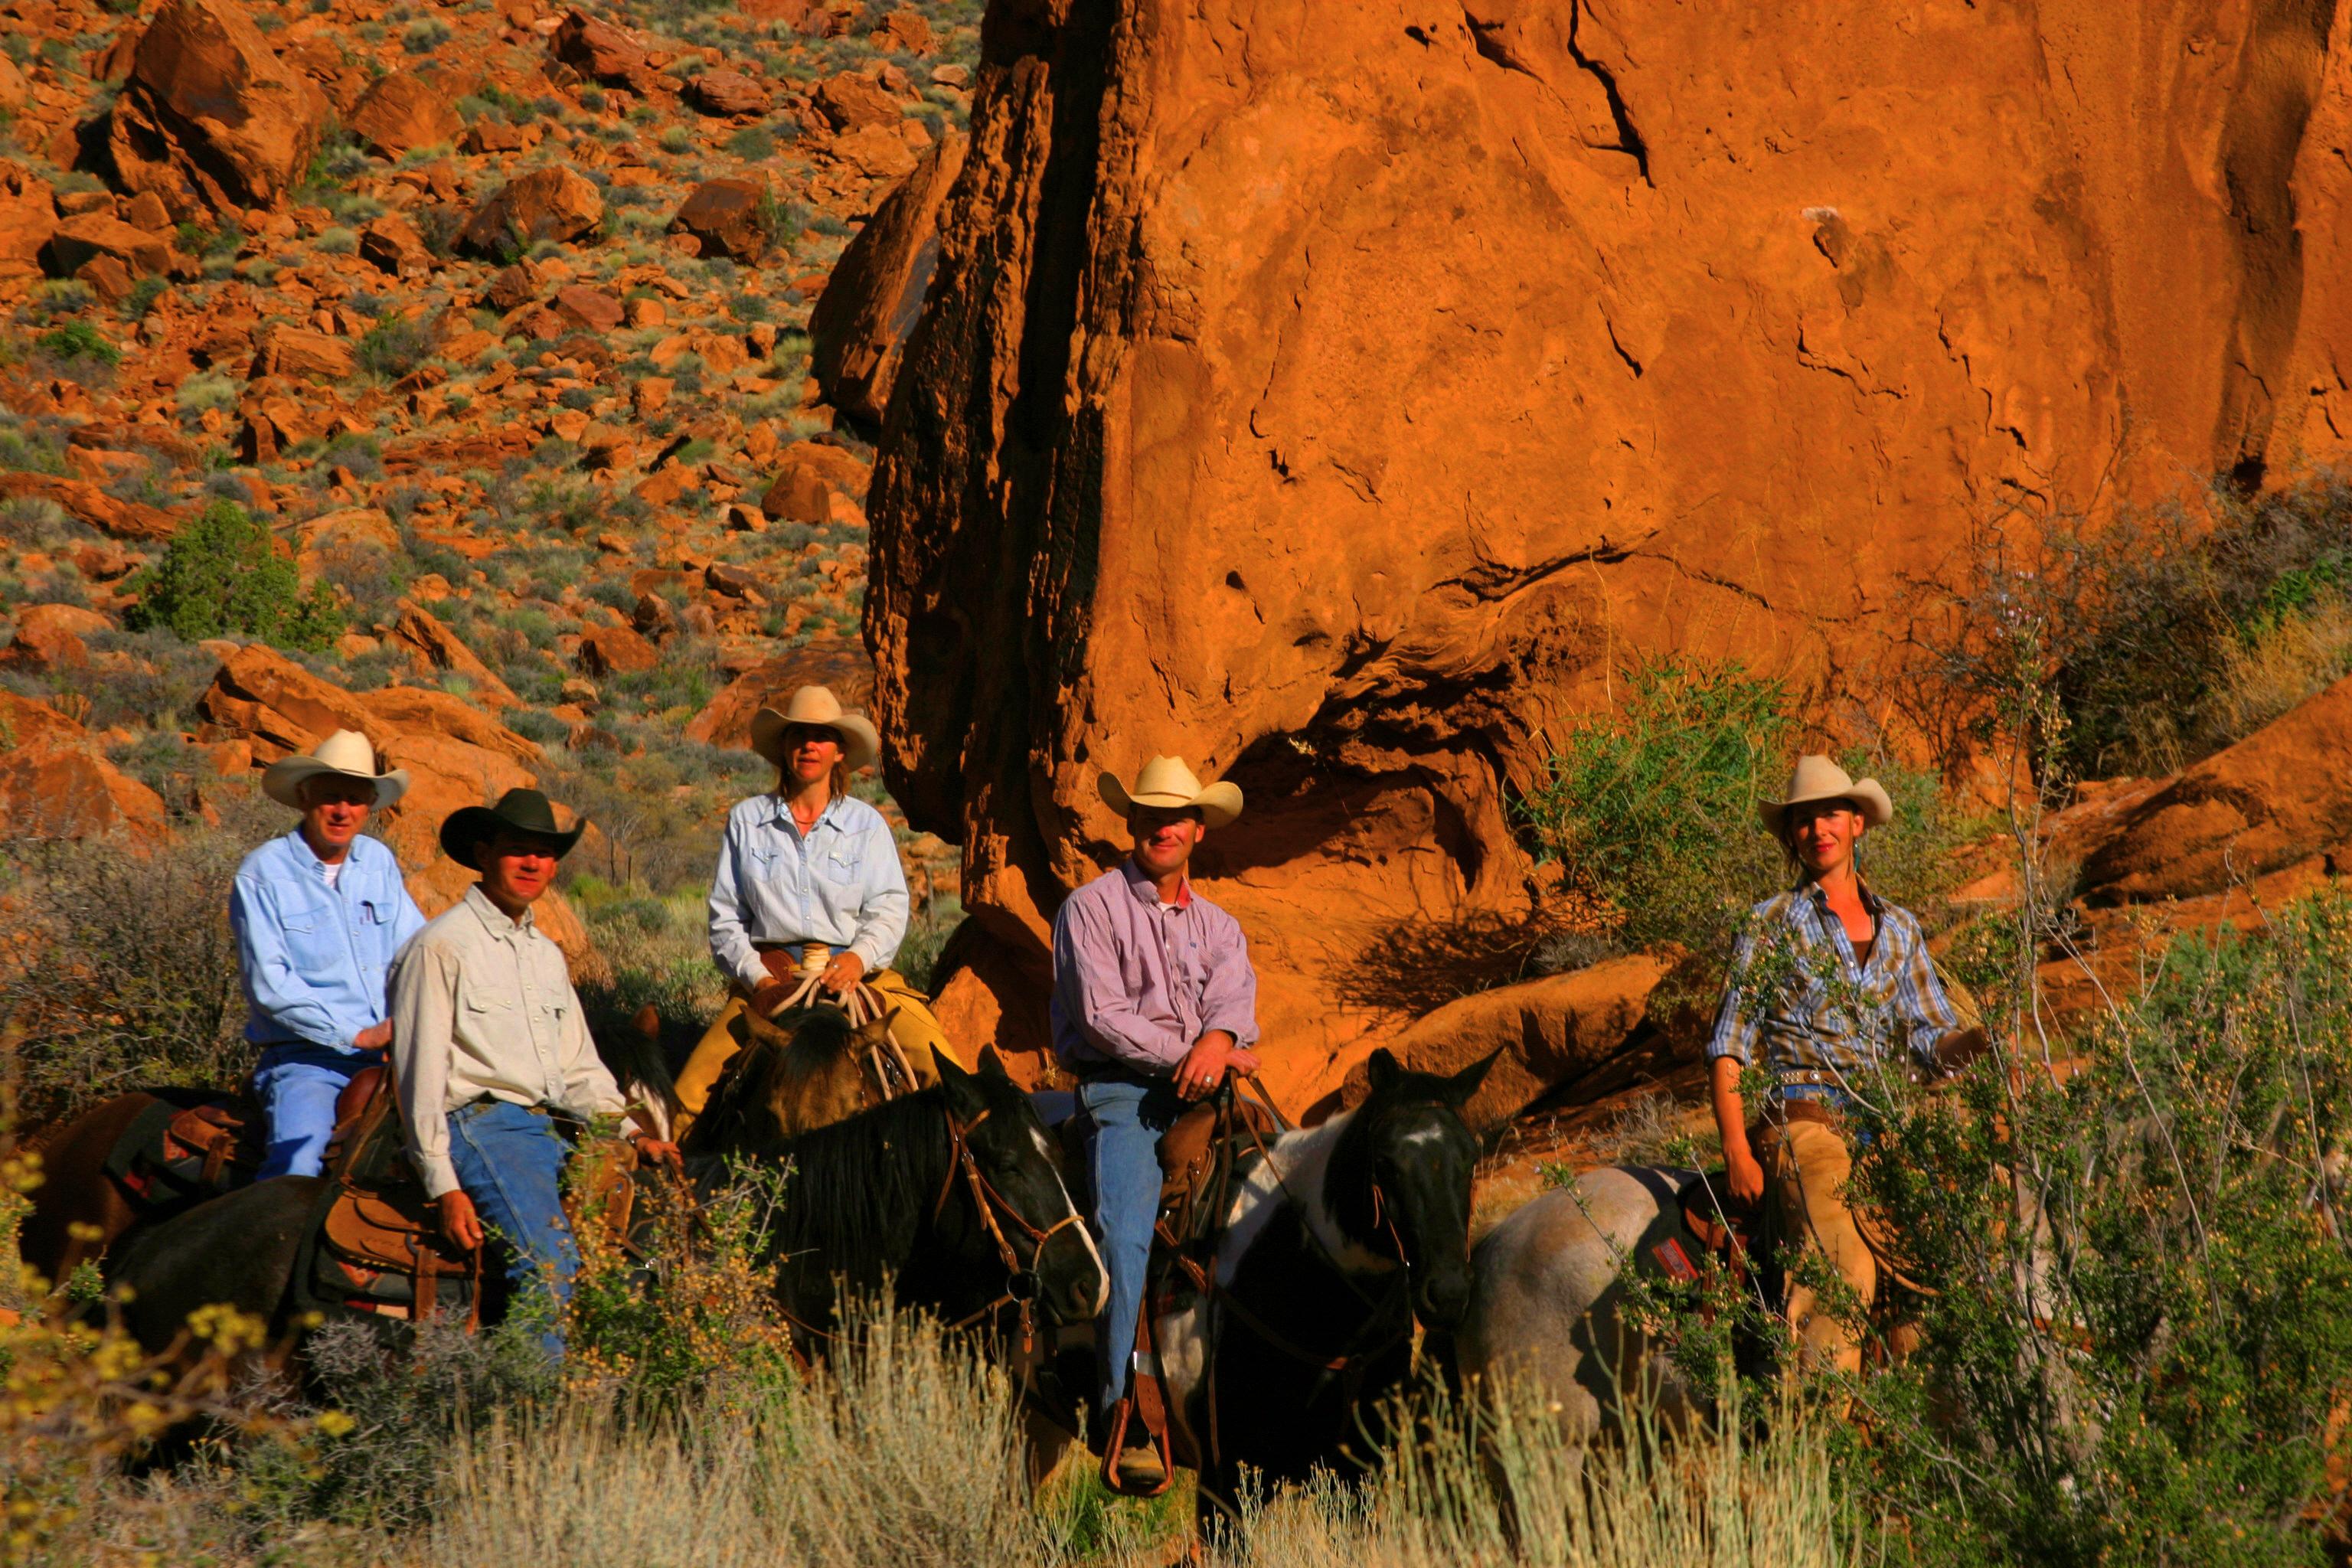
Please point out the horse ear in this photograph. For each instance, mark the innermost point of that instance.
(1382, 1070)
(991, 1065)
(647, 1023)
(1458, 1090)
(962, 1092)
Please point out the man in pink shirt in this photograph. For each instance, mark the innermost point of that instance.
(1154, 1003)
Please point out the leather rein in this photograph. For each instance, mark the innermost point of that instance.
(1020, 1286)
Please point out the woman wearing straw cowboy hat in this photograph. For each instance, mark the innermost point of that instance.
(318, 915)
(809, 888)
(1823, 1051)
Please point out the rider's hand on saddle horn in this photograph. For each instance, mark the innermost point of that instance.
(843, 973)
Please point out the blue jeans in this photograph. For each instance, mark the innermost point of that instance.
(1126, 1114)
(297, 1086)
(510, 1161)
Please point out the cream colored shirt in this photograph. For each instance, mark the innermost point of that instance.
(482, 1004)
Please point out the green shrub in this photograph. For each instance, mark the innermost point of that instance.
(391, 349)
(78, 341)
(222, 577)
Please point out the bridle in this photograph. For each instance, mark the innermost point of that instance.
(1021, 1284)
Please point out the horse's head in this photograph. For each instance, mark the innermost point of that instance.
(1398, 1181)
(1021, 1185)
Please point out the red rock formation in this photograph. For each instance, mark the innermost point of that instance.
(28, 217)
(1336, 395)
(401, 112)
(551, 203)
(55, 783)
(210, 119)
(725, 216)
(860, 327)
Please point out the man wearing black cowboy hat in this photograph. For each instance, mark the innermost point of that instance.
(491, 1054)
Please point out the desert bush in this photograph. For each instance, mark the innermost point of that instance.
(1651, 811)
(2160, 637)
(222, 575)
(657, 948)
(927, 937)
(121, 969)
(78, 340)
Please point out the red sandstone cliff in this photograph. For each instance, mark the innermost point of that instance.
(1334, 394)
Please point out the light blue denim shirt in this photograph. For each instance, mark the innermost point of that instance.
(841, 885)
(314, 956)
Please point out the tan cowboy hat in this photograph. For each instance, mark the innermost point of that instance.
(1167, 783)
(860, 744)
(1816, 777)
(345, 754)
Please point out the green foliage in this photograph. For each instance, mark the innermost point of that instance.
(394, 348)
(78, 341)
(144, 295)
(752, 144)
(222, 577)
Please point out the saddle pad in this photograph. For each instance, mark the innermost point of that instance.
(206, 1147)
(382, 1252)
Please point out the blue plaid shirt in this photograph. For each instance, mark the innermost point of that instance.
(1831, 1017)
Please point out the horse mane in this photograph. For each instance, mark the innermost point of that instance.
(782, 1053)
(857, 1184)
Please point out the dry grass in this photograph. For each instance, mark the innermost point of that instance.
(2269, 671)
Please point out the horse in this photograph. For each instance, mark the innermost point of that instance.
(1547, 1287)
(1337, 1238)
(813, 1068)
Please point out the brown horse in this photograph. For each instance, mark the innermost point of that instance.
(78, 1209)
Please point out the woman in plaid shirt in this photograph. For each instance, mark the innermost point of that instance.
(1831, 984)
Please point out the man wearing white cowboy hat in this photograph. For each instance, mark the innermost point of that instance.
(318, 915)
(1865, 991)
(809, 869)
(1154, 1003)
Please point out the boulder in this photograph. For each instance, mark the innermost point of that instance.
(876, 152)
(843, 667)
(729, 216)
(513, 288)
(49, 636)
(392, 243)
(29, 217)
(809, 475)
(904, 31)
(55, 782)
(210, 120)
(401, 112)
(594, 309)
(551, 203)
(302, 355)
(349, 532)
(725, 92)
(437, 647)
(2277, 799)
(1351, 421)
(615, 650)
(860, 325)
(265, 699)
(850, 101)
(91, 503)
(80, 240)
(598, 50)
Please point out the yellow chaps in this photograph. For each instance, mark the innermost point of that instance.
(1806, 1168)
(912, 1025)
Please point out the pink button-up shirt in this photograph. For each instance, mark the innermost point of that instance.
(1137, 982)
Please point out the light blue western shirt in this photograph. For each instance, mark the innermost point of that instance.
(840, 885)
(315, 956)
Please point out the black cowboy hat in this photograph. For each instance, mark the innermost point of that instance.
(520, 810)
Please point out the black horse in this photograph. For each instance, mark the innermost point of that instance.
(1339, 1237)
(953, 1193)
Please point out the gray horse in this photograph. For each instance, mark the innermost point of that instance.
(1546, 1297)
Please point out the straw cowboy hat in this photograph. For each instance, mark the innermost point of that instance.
(1168, 785)
(345, 754)
(815, 705)
(465, 830)
(1818, 778)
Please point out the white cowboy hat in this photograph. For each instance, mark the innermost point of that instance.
(1816, 777)
(860, 744)
(1166, 783)
(345, 754)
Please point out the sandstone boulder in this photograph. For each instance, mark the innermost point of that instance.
(850, 101)
(615, 650)
(28, 217)
(843, 667)
(49, 636)
(861, 322)
(729, 216)
(301, 354)
(1356, 416)
(597, 309)
(513, 288)
(874, 151)
(55, 782)
(210, 120)
(904, 30)
(437, 647)
(597, 49)
(551, 203)
(93, 236)
(92, 504)
(401, 112)
(392, 243)
(726, 92)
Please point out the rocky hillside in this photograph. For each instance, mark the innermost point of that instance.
(1341, 395)
(495, 319)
